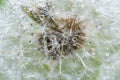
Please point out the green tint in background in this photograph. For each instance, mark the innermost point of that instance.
(20, 59)
(1, 2)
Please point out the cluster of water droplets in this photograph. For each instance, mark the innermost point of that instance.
(99, 60)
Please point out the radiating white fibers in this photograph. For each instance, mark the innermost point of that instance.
(20, 58)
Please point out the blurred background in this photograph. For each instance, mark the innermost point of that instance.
(99, 60)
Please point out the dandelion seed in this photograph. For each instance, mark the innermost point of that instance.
(55, 41)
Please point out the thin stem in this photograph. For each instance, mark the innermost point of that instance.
(60, 67)
(82, 61)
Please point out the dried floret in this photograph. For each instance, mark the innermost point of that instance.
(55, 41)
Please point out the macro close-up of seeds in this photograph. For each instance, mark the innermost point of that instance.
(59, 36)
(59, 40)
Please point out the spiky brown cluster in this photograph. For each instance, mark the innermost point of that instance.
(56, 41)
